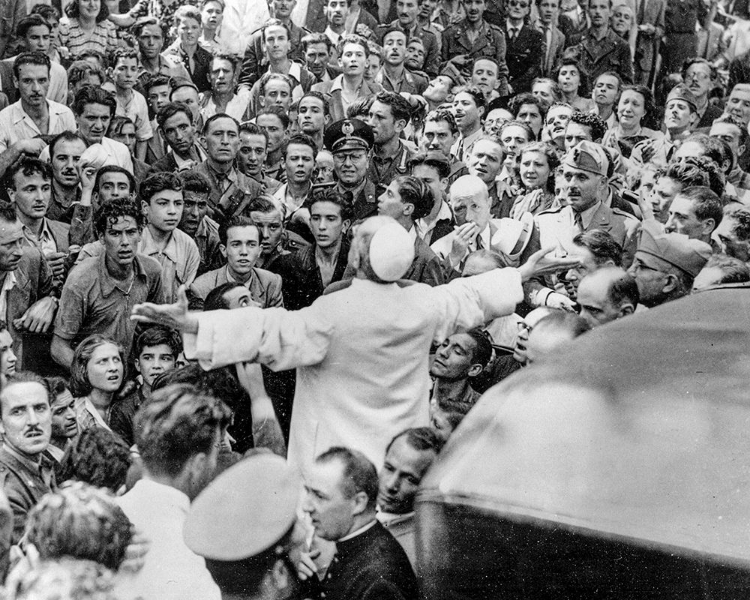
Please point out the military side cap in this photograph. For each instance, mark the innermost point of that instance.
(450, 70)
(676, 249)
(588, 156)
(682, 92)
(179, 82)
(245, 510)
(349, 134)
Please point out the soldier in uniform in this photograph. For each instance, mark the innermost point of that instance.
(350, 141)
(473, 38)
(231, 190)
(389, 115)
(585, 173)
(408, 11)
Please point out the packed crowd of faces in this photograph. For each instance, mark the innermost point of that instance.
(216, 156)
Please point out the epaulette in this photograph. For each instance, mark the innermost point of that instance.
(550, 211)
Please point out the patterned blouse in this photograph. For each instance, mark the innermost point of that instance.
(103, 39)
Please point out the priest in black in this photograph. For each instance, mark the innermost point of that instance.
(369, 563)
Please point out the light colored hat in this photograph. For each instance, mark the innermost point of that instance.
(245, 510)
(588, 156)
(391, 251)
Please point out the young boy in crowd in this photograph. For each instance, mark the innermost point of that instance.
(155, 351)
(131, 104)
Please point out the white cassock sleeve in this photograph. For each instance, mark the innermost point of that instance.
(473, 301)
(275, 337)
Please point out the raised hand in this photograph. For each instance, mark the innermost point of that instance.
(175, 316)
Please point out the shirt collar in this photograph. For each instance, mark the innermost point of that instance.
(588, 215)
(149, 248)
(31, 465)
(359, 531)
(109, 283)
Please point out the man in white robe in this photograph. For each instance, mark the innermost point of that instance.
(361, 353)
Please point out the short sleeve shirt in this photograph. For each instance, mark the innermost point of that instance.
(94, 302)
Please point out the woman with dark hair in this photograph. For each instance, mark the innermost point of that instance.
(88, 28)
(537, 170)
(574, 84)
(635, 105)
(96, 374)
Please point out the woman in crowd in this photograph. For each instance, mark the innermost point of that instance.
(88, 28)
(95, 377)
(573, 82)
(529, 109)
(537, 170)
(635, 105)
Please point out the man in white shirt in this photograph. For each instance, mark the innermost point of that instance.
(241, 18)
(178, 435)
(34, 35)
(23, 123)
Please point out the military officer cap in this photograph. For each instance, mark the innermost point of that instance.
(348, 134)
(682, 92)
(675, 249)
(245, 511)
(588, 156)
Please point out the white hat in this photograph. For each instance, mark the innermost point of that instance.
(391, 251)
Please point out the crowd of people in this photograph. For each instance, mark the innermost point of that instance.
(259, 261)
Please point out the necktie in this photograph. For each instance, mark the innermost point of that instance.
(579, 221)
(512, 33)
(478, 242)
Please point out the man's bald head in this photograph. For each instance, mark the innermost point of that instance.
(470, 201)
(606, 295)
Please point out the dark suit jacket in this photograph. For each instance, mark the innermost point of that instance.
(301, 283)
(370, 565)
(647, 46)
(59, 231)
(166, 164)
(524, 55)
(490, 43)
(612, 53)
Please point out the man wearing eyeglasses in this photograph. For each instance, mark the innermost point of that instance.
(525, 47)
(350, 141)
(699, 76)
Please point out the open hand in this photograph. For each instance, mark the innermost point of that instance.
(175, 316)
(540, 263)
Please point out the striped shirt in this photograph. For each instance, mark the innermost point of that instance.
(103, 39)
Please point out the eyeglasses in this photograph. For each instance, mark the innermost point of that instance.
(697, 77)
(518, 3)
(340, 158)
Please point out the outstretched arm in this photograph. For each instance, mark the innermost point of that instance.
(274, 337)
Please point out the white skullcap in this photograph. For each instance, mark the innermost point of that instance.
(391, 251)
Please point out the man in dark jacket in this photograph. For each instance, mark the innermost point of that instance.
(342, 490)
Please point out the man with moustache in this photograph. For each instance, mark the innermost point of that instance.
(408, 11)
(65, 152)
(23, 123)
(26, 425)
